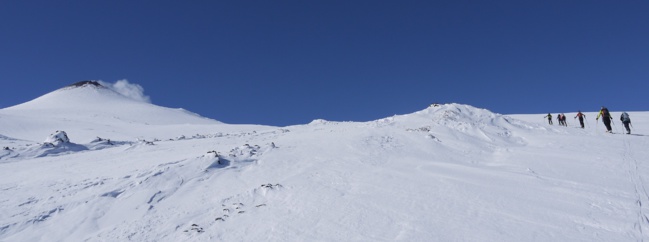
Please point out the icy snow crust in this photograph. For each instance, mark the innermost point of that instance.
(447, 173)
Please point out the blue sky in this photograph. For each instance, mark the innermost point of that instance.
(289, 62)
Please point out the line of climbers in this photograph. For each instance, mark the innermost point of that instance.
(603, 113)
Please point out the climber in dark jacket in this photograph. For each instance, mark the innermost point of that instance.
(549, 116)
(626, 121)
(606, 118)
(581, 117)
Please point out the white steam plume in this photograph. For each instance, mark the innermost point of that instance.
(130, 90)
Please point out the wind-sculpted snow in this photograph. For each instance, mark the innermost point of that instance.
(6, 152)
(59, 143)
(103, 143)
(8, 145)
(141, 189)
(56, 144)
(475, 123)
(49, 149)
(5, 138)
(447, 173)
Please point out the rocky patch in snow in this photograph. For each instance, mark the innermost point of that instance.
(249, 153)
(247, 203)
(58, 143)
(85, 83)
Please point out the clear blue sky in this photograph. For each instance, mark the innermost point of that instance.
(289, 62)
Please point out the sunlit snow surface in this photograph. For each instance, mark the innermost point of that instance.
(133, 171)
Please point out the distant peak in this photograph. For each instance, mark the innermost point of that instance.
(86, 83)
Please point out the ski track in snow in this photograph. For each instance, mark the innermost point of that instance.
(642, 196)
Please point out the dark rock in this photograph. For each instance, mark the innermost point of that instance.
(86, 83)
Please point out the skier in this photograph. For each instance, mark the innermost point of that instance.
(626, 121)
(562, 121)
(581, 117)
(606, 118)
(549, 116)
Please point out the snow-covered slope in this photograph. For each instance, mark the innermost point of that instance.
(88, 110)
(447, 173)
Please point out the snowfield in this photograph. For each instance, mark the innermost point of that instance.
(134, 171)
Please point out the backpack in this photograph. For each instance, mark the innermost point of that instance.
(625, 117)
(605, 113)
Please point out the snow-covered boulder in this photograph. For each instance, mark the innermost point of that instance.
(57, 138)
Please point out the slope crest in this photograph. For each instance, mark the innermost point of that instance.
(468, 121)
